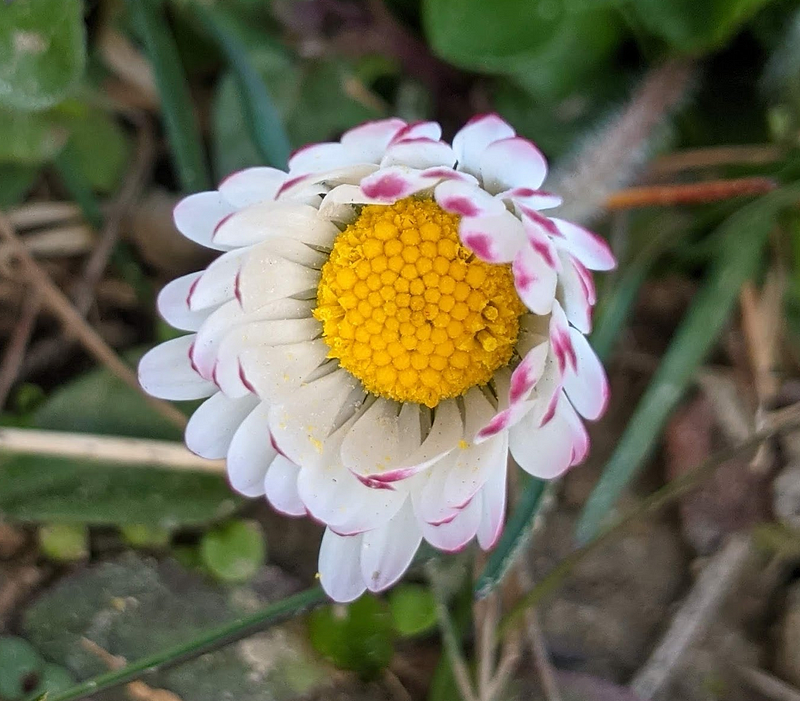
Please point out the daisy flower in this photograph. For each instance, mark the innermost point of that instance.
(386, 323)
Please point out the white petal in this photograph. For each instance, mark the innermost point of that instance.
(280, 486)
(251, 452)
(334, 496)
(495, 239)
(587, 247)
(166, 372)
(317, 158)
(383, 435)
(173, 304)
(467, 200)
(575, 295)
(544, 451)
(303, 425)
(513, 162)
(276, 372)
(535, 280)
(275, 219)
(587, 385)
(252, 185)
(471, 141)
(298, 187)
(419, 153)
(267, 275)
(474, 466)
(430, 498)
(387, 552)
(454, 535)
(217, 284)
(212, 426)
(369, 140)
(197, 216)
(340, 566)
(445, 433)
(493, 507)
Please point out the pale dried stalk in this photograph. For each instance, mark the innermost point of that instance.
(39, 214)
(693, 617)
(767, 685)
(17, 344)
(112, 449)
(75, 325)
(715, 156)
(611, 158)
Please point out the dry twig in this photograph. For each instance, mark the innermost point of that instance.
(112, 449)
(715, 157)
(15, 350)
(74, 324)
(693, 617)
(767, 685)
(690, 193)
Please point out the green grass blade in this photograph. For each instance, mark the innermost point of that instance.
(743, 237)
(261, 116)
(212, 640)
(515, 536)
(183, 132)
(78, 187)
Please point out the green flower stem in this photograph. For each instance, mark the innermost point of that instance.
(212, 640)
(261, 116)
(183, 132)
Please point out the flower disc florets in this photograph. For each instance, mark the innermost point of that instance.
(385, 324)
(409, 311)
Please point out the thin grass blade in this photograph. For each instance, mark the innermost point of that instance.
(262, 118)
(180, 122)
(212, 640)
(741, 242)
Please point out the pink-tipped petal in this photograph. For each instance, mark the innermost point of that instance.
(217, 283)
(368, 141)
(466, 200)
(535, 280)
(586, 246)
(266, 220)
(317, 158)
(252, 185)
(530, 198)
(471, 141)
(511, 163)
(197, 217)
(586, 385)
(394, 183)
(561, 340)
(493, 506)
(527, 373)
(575, 296)
(251, 453)
(495, 239)
(419, 130)
(454, 535)
(419, 153)
(173, 304)
(340, 566)
(544, 451)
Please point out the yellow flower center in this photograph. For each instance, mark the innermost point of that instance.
(409, 311)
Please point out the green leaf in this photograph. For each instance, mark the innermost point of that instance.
(357, 636)
(413, 609)
(18, 662)
(183, 132)
(142, 535)
(550, 45)
(30, 138)
(261, 116)
(235, 551)
(52, 679)
(15, 183)
(64, 542)
(691, 26)
(742, 238)
(34, 488)
(515, 537)
(42, 51)
(99, 149)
